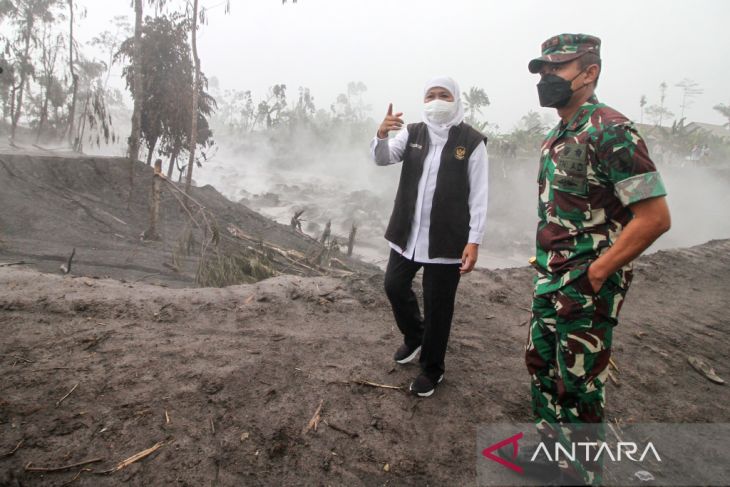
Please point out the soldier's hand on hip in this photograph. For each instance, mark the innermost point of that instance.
(390, 122)
(594, 279)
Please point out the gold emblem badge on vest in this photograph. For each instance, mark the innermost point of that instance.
(460, 153)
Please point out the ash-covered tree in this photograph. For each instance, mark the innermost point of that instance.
(642, 104)
(659, 112)
(94, 123)
(196, 15)
(6, 84)
(690, 90)
(349, 107)
(236, 112)
(108, 41)
(474, 100)
(52, 94)
(723, 110)
(135, 136)
(176, 131)
(167, 82)
(527, 135)
(272, 111)
(304, 111)
(28, 18)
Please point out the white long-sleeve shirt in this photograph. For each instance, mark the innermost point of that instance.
(390, 151)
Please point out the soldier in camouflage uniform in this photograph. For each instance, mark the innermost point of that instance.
(601, 203)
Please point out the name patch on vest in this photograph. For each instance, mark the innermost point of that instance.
(571, 169)
(460, 153)
(416, 146)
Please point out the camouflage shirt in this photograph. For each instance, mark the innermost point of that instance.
(591, 169)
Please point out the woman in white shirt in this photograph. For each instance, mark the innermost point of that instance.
(437, 222)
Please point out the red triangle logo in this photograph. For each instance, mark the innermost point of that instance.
(488, 452)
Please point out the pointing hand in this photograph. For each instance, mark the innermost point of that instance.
(390, 122)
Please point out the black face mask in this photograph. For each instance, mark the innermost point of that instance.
(554, 91)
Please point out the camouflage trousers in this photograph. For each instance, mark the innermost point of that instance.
(568, 351)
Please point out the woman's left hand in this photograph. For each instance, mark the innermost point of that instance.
(469, 257)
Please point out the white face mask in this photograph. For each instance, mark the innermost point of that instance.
(440, 111)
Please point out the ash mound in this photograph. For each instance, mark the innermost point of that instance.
(55, 203)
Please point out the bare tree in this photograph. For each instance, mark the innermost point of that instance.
(690, 90)
(642, 104)
(94, 116)
(51, 89)
(27, 16)
(193, 140)
(660, 111)
(109, 41)
(134, 137)
(74, 76)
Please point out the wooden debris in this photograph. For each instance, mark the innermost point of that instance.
(67, 394)
(136, 457)
(167, 417)
(18, 358)
(292, 259)
(12, 452)
(78, 474)
(28, 467)
(351, 239)
(341, 429)
(614, 430)
(339, 264)
(613, 364)
(386, 467)
(613, 379)
(66, 268)
(705, 369)
(117, 219)
(375, 384)
(53, 368)
(522, 323)
(93, 342)
(316, 418)
(8, 264)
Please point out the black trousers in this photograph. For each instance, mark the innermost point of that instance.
(432, 330)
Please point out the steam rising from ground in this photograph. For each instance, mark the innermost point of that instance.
(331, 176)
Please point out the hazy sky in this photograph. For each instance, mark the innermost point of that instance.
(395, 46)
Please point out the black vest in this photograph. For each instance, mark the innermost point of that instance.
(449, 231)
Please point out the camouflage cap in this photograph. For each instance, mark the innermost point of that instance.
(565, 47)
